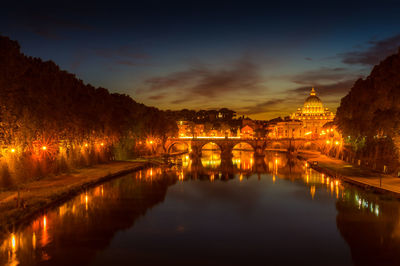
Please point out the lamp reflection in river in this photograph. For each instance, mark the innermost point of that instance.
(181, 176)
(211, 158)
(312, 191)
(13, 243)
(34, 240)
(44, 240)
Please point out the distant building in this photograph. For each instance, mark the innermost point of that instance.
(183, 127)
(287, 129)
(313, 115)
(199, 130)
(247, 132)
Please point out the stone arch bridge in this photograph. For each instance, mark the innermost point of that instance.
(226, 145)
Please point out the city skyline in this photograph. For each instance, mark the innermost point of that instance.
(259, 60)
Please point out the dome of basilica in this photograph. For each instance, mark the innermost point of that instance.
(313, 105)
(313, 101)
(313, 110)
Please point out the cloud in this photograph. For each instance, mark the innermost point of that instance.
(321, 75)
(330, 83)
(157, 97)
(326, 81)
(339, 88)
(263, 107)
(308, 58)
(376, 52)
(203, 81)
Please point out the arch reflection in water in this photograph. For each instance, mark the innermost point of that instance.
(243, 156)
(211, 155)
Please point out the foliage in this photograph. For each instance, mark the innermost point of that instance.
(370, 112)
(42, 105)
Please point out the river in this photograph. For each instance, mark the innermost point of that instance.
(247, 211)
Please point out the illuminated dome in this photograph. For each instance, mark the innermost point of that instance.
(313, 105)
(313, 115)
(313, 100)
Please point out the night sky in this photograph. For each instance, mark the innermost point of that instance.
(258, 59)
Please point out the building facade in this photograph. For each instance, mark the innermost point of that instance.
(313, 115)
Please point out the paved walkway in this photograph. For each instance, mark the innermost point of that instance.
(356, 175)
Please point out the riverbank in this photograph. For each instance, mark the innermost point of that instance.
(20, 206)
(353, 174)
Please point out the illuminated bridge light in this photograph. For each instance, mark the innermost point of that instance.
(207, 137)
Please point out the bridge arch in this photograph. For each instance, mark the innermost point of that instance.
(175, 143)
(244, 146)
(276, 145)
(211, 145)
(310, 145)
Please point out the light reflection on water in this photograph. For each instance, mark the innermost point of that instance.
(368, 224)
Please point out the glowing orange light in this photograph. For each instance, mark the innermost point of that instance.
(102, 144)
(13, 242)
(12, 150)
(151, 142)
(327, 142)
(337, 142)
(312, 191)
(44, 148)
(34, 240)
(44, 222)
(86, 145)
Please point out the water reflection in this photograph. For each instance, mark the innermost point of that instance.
(79, 230)
(89, 220)
(211, 158)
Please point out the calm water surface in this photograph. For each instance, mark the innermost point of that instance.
(248, 211)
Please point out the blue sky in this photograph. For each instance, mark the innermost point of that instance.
(258, 59)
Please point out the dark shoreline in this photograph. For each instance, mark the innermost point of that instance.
(24, 216)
